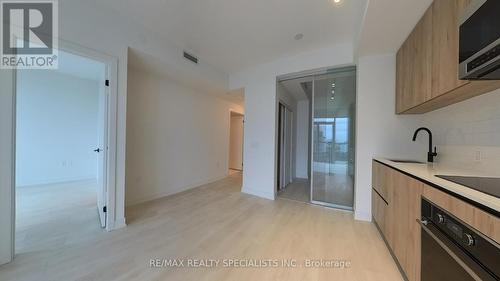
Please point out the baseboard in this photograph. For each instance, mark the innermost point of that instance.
(362, 216)
(258, 193)
(159, 195)
(58, 181)
(119, 223)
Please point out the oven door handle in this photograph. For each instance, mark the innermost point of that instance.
(458, 260)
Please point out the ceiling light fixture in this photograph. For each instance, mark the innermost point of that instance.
(337, 1)
(298, 36)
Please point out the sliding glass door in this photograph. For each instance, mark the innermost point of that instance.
(333, 136)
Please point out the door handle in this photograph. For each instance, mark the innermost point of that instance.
(97, 150)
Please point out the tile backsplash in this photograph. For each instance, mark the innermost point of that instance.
(468, 133)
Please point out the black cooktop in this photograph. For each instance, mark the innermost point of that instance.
(489, 186)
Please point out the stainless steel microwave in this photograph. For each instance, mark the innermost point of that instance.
(479, 41)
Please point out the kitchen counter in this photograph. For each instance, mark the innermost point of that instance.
(427, 173)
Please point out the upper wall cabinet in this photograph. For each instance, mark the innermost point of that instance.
(427, 63)
(414, 68)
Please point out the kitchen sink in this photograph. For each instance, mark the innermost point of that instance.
(406, 161)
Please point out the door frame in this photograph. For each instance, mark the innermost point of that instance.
(237, 112)
(281, 142)
(111, 64)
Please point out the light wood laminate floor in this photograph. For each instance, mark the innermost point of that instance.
(215, 221)
(335, 189)
(52, 216)
(298, 190)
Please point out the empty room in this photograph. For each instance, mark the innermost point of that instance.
(250, 140)
(59, 168)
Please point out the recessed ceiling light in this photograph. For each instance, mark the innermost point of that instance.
(298, 36)
(337, 1)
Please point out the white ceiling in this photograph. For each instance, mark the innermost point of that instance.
(388, 23)
(150, 64)
(295, 88)
(235, 34)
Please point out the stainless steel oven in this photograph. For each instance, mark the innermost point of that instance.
(454, 251)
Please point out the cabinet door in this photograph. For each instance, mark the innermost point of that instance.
(403, 80)
(379, 210)
(380, 179)
(414, 66)
(383, 179)
(406, 96)
(405, 210)
(445, 34)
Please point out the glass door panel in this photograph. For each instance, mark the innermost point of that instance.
(333, 135)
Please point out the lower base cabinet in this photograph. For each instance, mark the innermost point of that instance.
(396, 217)
(379, 207)
(396, 206)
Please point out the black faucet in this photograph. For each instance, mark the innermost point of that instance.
(430, 154)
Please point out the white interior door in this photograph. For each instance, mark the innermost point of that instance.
(101, 151)
(7, 94)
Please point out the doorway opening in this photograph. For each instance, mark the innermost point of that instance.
(236, 131)
(62, 152)
(322, 138)
(285, 145)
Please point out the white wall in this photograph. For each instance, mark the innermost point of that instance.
(236, 142)
(379, 132)
(86, 23)
(467, 134)
(177, 138)
(260, 111)
(56, 133)
(302, 140)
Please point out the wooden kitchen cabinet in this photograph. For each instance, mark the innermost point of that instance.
(445, 22)
(397, 213)
(381, 180)
(404, 211)
(414, 66)
(379, 212)
(397, 216)
(427, 62)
